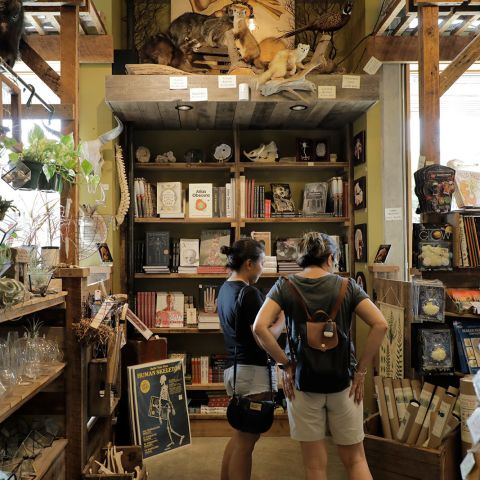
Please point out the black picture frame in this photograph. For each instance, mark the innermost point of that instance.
(320, 150)
(104, 252)
(361, 281)
(305, 150)
(359, 148)
(360, 243)
(382, 253)
(360, 193)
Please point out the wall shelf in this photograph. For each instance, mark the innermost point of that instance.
(21, 394)
(170, 276)
(343, 220)
(184, 220)
(33, 305)
(206, 386)
(294, 166)
(48, 457)
(184, 330)
(179, 166)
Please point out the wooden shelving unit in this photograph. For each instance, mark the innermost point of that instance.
(35, 304)
(184, 330)
(171, 276)
(48, 465)
(206, 386)
(217, 220)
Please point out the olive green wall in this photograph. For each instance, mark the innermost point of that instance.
(95, 119)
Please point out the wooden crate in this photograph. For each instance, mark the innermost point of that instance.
(391, 460)
(131, 458)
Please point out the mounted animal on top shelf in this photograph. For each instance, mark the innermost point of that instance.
(11, 29)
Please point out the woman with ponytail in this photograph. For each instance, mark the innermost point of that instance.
(239, 300)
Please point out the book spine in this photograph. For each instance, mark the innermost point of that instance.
(233, 188)
(262, 201)
(268, 208)
(248, 182)
(222, 202)
(242, 197)
(215, 202)
(228, 200)
(252, 198)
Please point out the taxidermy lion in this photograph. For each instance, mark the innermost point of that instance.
(284, 64)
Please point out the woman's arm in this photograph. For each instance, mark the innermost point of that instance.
(374, 318)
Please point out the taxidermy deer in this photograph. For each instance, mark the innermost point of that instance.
(327, 23)
(11, 29)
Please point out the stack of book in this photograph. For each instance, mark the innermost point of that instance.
(287, 254)
(467, 239)
(144, 195)
(270, 264)
(208, 318)
(218, 362)
(156, 269)
(146, 307)
(189, 255)
(211, 259)
(157, 246)
(170, 200)
(200, 369)
(207, 201)
(161, 309)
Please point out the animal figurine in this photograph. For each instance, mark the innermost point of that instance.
(161, 50)
(244, 40)
(11, 29)
(167, 157)
(142, 155)
(327, 23)
(264, 153)
(284, 64)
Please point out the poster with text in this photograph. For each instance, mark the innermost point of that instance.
(159, 406)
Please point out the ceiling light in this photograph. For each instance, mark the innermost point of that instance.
(251, 23)
(298, 108)
(184, 108)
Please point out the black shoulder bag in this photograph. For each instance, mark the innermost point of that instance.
(243, 413)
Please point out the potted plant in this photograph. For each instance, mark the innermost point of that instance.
(5, 206)
(39, 277)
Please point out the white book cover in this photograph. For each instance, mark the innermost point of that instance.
(234, 196)
(170, 309)
(228, 200)
(200, 200)
(189, 252)
(169, 199)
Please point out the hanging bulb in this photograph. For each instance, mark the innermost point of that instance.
(251, 23)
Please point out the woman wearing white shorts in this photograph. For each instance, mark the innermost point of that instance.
(334, 398)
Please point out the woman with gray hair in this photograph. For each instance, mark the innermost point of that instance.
(322, 381)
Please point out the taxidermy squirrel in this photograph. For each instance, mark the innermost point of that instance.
(284, 64)
(244, 40)
(11, 29)
(160, 49)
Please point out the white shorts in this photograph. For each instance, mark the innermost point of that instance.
(251, 379)
(310, 413)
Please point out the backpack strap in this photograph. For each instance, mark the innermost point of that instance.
(338, 302)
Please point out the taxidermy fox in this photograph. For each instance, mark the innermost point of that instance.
(11, 29)
(284, 64)
(244, 40)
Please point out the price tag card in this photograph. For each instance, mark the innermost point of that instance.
(467, 465)
(227, 81)
(473, 424)
(393, 214)
(102, 313)
(179, 83)
(350, 81)
(327, 91)
(198, 94)
(372, 66)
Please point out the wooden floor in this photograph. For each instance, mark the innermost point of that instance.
(274, 457)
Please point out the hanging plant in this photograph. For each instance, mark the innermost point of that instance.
(5, 206)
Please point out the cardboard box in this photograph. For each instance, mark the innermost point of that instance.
(391, 460)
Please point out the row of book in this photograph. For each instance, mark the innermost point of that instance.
(467, 243)
(202, 369)
(416, 414)
(467, 336)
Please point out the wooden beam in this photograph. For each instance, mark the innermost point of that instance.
(36, 23)
(466, 25)
(404, 24)
(69, 93)
(448, 21)
(390, 15)
(429, 97)
(39, 66)
(92, 48)
(467, 57)
(38, 112)
(405, 49)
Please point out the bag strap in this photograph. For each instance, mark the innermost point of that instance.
(238, 306)
(338, 303)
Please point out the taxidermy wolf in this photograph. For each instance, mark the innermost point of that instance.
(207, 30)
(11, 28)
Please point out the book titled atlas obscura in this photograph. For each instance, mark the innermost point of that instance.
(200, 200)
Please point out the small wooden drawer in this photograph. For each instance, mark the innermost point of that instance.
(392, 460)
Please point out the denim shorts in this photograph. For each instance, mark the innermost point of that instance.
(251, 379)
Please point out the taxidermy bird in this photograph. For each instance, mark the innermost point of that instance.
(327, 23)
(11, 29)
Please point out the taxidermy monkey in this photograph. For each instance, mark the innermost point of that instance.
(269, 47)
(11, 29)
(284, 64)
(161, 50)
(244, 40)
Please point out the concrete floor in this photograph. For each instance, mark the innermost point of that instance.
(274, 457)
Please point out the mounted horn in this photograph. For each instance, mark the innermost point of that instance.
(112, 134)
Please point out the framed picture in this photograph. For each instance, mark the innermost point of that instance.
(320, 150)
(305, 147)
(360, 242)
(104, 252)
(359, 148)
(361, 280)
(360, 193)
(382, 253)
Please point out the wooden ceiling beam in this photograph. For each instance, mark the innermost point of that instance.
(466, 25)
(92, 48)
(390, 15)
(429, 83)
(404, 24)
(38, 112)
(405, 49)
(38, 65)
(465, 59)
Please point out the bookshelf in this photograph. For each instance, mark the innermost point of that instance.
(244, 126)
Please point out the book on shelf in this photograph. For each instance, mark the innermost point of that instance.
(315, 199)
(466, 244)
(432, 246)
(156, 269)
(207, 307)
(467, 336)
(211, 241)
(144, 195)
(170, 200)
(282, 199)
(189, 253)
(175, 256)
(187, 270)
(157, 249)
(266, 239)
(211, 269)
(287, 250)
(270, 264)
(467, 188)
(139, 255)
(170, 310)
(146, 307)
(200, 200)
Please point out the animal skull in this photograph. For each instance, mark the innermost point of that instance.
(264, 153)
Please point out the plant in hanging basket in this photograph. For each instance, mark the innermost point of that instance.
(5, 206)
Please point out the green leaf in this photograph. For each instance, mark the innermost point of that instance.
(86, 167)
(14, 157)
(49, 170)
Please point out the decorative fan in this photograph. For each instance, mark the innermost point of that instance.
(93, 229)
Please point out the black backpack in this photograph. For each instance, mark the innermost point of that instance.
(320, 349)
